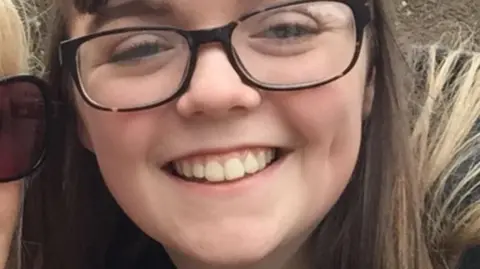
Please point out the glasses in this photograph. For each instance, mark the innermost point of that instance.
(291, 46)
(23, 126)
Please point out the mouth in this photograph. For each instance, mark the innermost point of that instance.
(224, 168)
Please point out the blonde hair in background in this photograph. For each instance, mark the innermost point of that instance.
(446, 139)
(14, 48)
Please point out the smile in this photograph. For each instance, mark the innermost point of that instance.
(224, 168)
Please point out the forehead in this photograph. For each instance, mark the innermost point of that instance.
(92, 6)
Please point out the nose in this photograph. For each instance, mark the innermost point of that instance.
(216, 90)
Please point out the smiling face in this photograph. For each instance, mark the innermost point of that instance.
(225, 173)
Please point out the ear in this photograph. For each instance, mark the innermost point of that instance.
(83, 135)
(369, 94)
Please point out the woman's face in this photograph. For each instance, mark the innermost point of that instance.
(22, 137)
(224, 174)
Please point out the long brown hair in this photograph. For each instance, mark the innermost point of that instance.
(375, 224)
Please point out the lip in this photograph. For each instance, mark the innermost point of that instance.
(220, 151)
(255, 181)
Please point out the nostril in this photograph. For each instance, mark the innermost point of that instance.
(239, 110)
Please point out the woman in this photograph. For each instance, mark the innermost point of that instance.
(22, 128)
(228, 134)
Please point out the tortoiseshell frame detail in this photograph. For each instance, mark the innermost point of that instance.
(68, 52)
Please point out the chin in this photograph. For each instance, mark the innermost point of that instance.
(232, 255)
(226, 247)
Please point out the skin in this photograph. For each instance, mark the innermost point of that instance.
(261, 223)
(10, 194)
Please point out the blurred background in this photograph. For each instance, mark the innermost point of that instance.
(427, 21)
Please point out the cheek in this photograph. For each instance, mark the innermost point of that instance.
(9, 203)
(9, 212)
(329, 120)
(117, 139)
(328, 116)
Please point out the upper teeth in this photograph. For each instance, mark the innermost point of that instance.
(230, 168)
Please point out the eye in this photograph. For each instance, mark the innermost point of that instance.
(139, 51)
(287, 31)
(285, 25)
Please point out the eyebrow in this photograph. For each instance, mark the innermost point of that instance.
(128, 8)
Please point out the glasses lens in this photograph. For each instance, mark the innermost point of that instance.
(296, 44)
(22, 128)
(134, 68)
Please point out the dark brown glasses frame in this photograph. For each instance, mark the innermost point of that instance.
(69, 48)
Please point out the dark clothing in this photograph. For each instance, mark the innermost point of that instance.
(471, 260)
